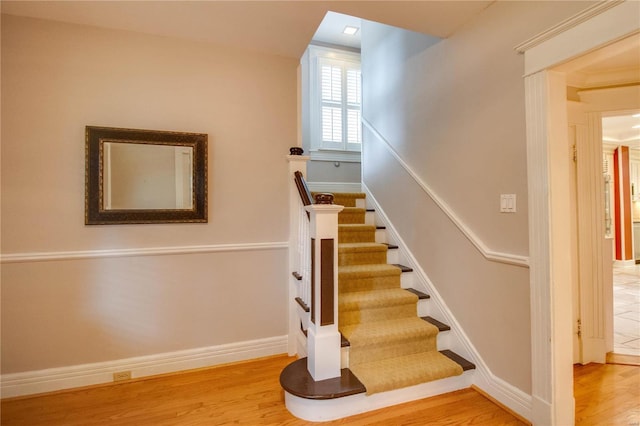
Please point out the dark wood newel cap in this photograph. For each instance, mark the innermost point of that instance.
(324, 198)
(296, 150)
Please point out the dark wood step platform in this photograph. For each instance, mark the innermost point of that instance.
(390, 246)
(296, 380)
(402, 267)
(302, 304)
(297, 276)
(441, 326)
(421, 295)
(344, 342)
(465, 364)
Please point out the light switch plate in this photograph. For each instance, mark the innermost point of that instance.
(507, 203)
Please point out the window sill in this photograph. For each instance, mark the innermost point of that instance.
(343, 156)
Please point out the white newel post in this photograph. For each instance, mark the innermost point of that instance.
(297, 231)
(323, 337)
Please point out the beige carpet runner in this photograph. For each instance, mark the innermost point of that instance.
(390, 346)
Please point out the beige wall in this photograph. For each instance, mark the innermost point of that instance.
(56, 79)
(454, 111)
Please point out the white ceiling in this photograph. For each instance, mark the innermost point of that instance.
(614, 65)
(277, 27)
(331, 30)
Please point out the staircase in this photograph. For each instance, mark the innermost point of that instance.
(390, 351)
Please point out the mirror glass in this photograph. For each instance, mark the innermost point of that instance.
(145, 176)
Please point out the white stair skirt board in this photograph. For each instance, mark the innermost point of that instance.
(315, 410)
(508, 395)
(53, 379)
(334, 186)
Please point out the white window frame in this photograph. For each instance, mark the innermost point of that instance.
(319, 150)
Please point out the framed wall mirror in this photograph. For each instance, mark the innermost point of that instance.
(144, 176)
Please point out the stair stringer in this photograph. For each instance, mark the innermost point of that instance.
(510, 396)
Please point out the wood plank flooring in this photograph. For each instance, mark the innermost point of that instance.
(607, 394)
(250, 394)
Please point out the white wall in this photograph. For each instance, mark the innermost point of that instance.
(453, 110)
(56, 79)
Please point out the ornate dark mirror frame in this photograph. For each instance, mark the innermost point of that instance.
(95, 214)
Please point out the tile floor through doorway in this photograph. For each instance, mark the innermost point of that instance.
(626, 310)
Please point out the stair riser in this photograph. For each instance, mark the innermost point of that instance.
(362, 258)
(370, 218)
(357, 236)
(367, 284)
(376, 314)
(381, 236)
(352, 218)
(393, 256)
(392, 350)
(407, 280)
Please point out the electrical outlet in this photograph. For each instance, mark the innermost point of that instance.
(121, 375)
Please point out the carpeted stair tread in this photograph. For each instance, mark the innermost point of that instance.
(368, 277)
(351, 215)
(379, 332)
(361, 253)
(394, 373)
(361, 300)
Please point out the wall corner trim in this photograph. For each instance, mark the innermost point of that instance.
(491, 255)
(53, 379)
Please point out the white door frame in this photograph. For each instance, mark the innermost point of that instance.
(548, 186)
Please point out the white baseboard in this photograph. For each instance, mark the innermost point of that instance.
(53, 379)
(334, 186)
(511, 397)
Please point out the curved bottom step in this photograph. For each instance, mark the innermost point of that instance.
(320, 410)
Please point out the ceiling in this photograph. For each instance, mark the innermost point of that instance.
(331, 30)
(617, 64)
(277, 27)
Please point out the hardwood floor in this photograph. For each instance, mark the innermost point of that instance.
(607, 394)
(250, 394)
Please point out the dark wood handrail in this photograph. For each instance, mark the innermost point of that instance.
(303, 189)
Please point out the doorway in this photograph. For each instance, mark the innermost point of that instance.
(622, 129)
(604, 137)
(549, 210)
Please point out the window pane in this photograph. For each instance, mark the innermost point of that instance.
(354, 88)
(331, 124)
(354, 128)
